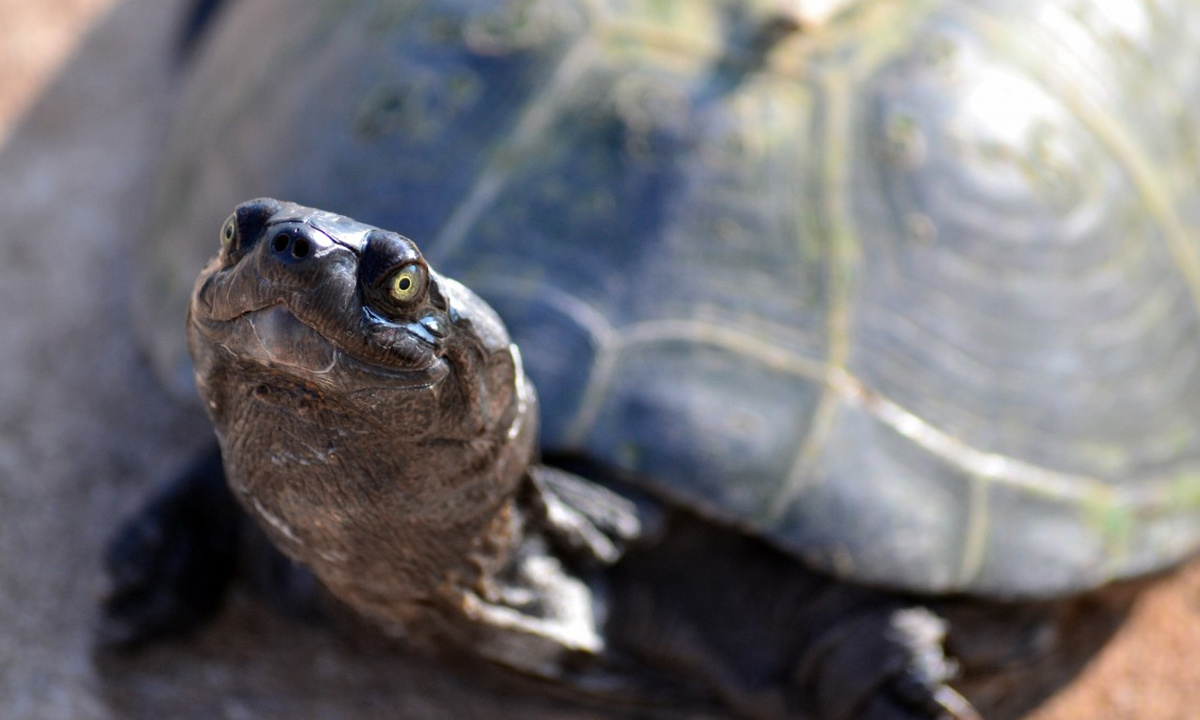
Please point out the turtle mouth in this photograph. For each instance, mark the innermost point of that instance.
(274, 337)
(280, 339)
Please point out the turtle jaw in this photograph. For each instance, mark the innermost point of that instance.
(277, 338)
(274, 338)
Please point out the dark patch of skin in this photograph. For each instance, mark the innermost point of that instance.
(163, 581)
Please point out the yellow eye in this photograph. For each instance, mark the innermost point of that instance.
(408, 283)
(229, 233)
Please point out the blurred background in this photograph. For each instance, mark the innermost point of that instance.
(85, 92)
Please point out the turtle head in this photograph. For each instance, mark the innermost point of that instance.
(357, 395)
(356, 314)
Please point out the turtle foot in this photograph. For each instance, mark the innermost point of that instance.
(170, 563)
(588, 521)
(884, 665)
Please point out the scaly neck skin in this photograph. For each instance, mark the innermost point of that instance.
(393, 523)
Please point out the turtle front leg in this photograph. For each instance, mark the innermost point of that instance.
(547, 603)
(774, 640)
(169, 564)
(884, 664)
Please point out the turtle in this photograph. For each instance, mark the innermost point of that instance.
(826, 352)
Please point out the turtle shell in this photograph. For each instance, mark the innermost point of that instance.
(912, 293)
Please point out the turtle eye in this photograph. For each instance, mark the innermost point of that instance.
(407, 284)
(229, 233)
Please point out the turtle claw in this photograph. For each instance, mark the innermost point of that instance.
(912, 699)
(887, 664)
(946, 704)
(918, 633)
(954, 705)
(589, 521)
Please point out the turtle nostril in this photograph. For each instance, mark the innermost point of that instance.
(300, 248)
(297, 246)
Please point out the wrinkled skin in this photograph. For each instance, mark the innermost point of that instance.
(313, 389)
(375, 420)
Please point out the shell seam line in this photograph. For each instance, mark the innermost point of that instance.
(610, 346)
(1139, 168)
(852, 392)
(528, 130)
(845, 245)
(976, 534)
(992, 466)
(834, 161)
